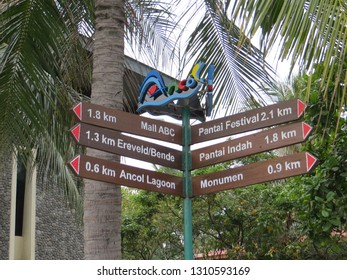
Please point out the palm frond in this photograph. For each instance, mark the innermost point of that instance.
(150, 32)
(309, 33)
(56, 148)
(241, 73)
(75, 65)
(34, 108)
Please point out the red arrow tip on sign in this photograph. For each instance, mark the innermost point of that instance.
(76, 132)
(306, 129)
(301, 107)
(78, 110)
(310, 161)
(75, 164)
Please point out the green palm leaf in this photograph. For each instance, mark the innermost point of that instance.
(241, 75)
(150, 30)
(34, 107)
(309, 33)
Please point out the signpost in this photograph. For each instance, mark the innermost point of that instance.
(251, 144)
(101, 128)
(117, 143)
(126, 122)
(255, 173)
(247, 121)
(120, 174)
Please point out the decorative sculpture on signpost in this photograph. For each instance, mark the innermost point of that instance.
(158, 99)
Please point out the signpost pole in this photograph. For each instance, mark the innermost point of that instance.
(187, 184)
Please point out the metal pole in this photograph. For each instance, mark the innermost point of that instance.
(187, 185)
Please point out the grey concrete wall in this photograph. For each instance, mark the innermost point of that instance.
(5, 205)
(59, 236)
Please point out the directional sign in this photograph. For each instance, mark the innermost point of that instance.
(254, 173)
(120, 174)
(281, 112)
(126, 122)
(251, 144)
(115, 142)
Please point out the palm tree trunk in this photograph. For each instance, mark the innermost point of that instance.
(102, 201)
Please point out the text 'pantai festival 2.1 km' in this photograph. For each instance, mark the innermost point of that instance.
(103, 129)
